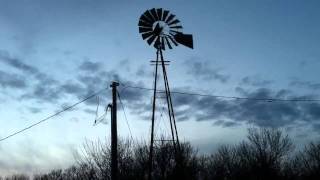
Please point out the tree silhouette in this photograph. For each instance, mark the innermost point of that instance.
(266, 154)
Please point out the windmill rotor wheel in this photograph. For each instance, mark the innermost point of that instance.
(162, 29)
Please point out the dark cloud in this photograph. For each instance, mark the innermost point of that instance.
(143, 71)
(89, 83)
(124, 65)
(316, 127)
(202, 70)
(305, 84)
(225, 123)
(222, 112)
(40, 86)
(67, 52)
(16, 63)
(261, 113)
(254, 81)
(34, 110)
(100, 79)
(89, 111)
(43, 87)
(43, 93)
(226, 112)
(8, 80)
(72, 88)
(89, 66)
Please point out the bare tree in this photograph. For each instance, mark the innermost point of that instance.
(264, 154)
(17, 177)
(261, 157)
(306, 165)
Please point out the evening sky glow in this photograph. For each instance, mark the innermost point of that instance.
(55, 53)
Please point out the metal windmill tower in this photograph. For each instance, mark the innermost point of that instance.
(162, 30)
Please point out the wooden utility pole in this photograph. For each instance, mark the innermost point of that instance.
(114, 137)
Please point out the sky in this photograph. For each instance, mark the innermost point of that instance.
(55, 53)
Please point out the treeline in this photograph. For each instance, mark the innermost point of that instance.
(266, 154)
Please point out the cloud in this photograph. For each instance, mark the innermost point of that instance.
(316, 127)
(255, 81)
(89, 66)
(202, 70)
(221, 111)
(43, 93)
(34, 158)
(89, 111)
(101, 79)
(16, 63)
(9, 80)
(43, 87)
(72, 88)
(124, 65)
(260, 113)
(225, 123)
(34, 110)
(143, 71)
(305, 84)
(226, 112)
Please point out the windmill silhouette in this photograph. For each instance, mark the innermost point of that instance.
(162, 30)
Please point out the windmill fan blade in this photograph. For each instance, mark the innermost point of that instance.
(151, 39)
(174, 42)
(146, 35)
(170, 18)
(145, 24)
(149, 15)
(173, 32)
(165, 14)
(176, 27)
(154, 14)
(159, 12)
(184, 39)
(174, 22)
(145, 18)
(168, 43)
(144, 29)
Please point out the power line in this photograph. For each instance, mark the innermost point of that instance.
(226, 97)
(53, 115)
(125, 115)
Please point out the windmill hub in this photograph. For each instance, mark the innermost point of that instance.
(165, 29)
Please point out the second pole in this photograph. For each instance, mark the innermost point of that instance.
(114, 136)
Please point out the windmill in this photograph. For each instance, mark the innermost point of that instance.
(162, 30)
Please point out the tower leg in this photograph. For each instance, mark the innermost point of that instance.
(170, 106)
(152, 119)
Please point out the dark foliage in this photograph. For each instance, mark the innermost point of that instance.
(266, 154)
